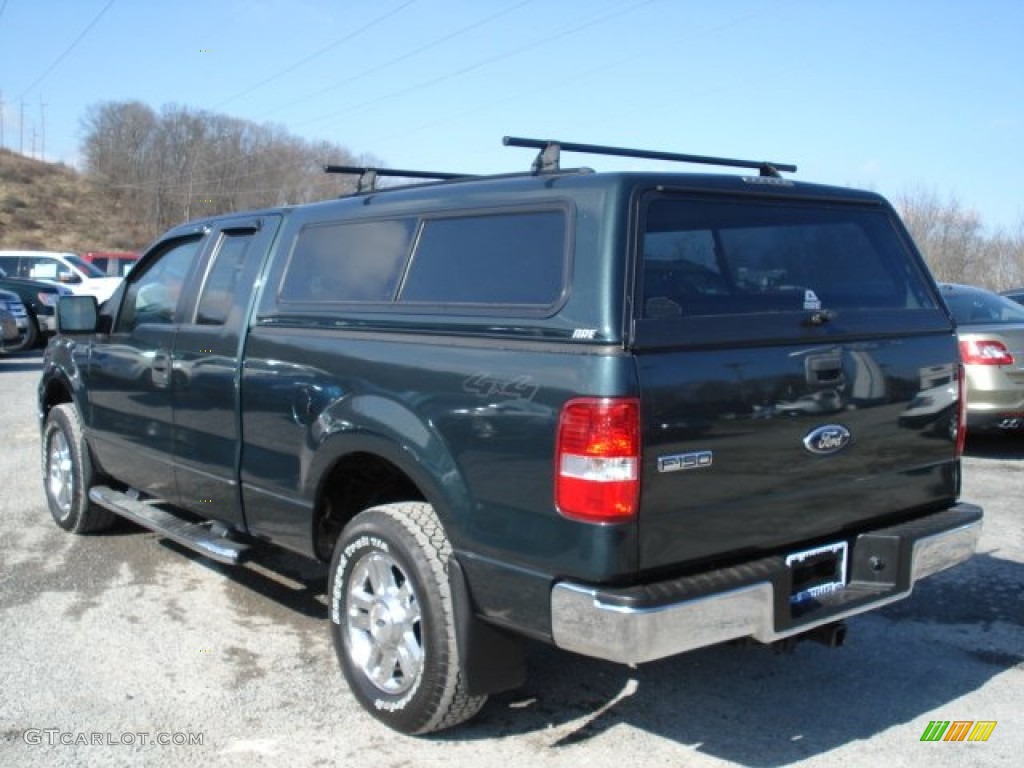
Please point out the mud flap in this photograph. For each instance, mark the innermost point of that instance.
(493, 660)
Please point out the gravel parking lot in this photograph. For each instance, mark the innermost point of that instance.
(112, 645)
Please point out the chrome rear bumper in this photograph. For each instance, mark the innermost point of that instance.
(652, 621)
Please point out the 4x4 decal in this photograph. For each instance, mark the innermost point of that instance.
(485, 385)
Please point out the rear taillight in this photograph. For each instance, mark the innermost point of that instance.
(985, 352)
(961, 411)
(597, 459)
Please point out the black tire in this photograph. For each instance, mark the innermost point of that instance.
(392, 619)
(28, 339)
(68, 474)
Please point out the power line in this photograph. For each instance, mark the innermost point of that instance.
(565, 80)
(565, 31)
(316, 54)
(181, 182)
(68, 50)
(396, 60)
(603, 17)
(479, 64)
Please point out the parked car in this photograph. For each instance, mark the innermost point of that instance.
(990, 328)
(12, 305)
(112, 263)
(40, 300)
(1017, 294)
(66, 268)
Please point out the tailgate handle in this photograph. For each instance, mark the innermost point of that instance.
(161, 369)
(824, 370)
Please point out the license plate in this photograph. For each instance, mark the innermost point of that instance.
(816, 572)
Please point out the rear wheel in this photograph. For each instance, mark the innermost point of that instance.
(392, 619)
(68, 474)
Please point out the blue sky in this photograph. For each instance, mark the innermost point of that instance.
(895, 95)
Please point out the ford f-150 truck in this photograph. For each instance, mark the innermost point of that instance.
(627, 414)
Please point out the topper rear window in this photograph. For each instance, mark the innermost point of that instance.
(726, 257)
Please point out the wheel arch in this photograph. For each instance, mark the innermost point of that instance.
(61, 380)
(365, 470)
(55, 389)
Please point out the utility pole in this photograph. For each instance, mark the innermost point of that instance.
(42, 139)
(1, 119)
(21, 129)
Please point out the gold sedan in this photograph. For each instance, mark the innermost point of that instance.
(990, 328)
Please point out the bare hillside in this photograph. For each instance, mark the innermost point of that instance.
(50, 206)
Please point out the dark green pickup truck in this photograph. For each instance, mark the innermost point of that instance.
(629, 414)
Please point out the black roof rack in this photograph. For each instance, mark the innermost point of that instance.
(548, 158)
(368, 176)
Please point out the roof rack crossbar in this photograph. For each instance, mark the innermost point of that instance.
(547, 159)
(368, 176)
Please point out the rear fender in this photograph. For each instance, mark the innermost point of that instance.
(388, 429)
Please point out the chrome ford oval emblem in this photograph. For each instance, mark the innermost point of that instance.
(830, 438)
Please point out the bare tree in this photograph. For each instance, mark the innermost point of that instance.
(949, 236)
(119, 144)
(956, 244)
(184, 163)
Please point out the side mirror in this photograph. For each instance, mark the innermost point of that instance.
(77, 314)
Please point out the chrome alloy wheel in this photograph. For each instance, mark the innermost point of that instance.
(383, 624)
(60, 477)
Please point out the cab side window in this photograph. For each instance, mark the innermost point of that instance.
(222, 280)
(152, 295)
(350, 262)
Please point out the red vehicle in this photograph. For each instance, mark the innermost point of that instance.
(114, 263)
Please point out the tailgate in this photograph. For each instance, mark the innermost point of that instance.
(790, 445)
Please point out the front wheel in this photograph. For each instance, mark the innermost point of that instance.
(392, 619)
(28, 339)
(68, 473)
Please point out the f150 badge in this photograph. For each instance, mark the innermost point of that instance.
(826, 439)
(682, 461)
